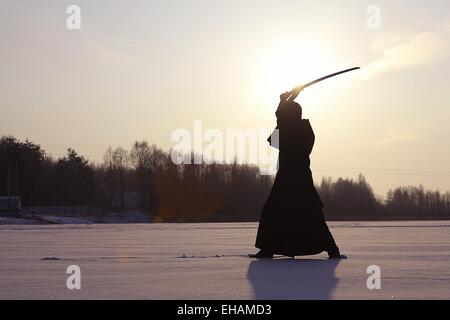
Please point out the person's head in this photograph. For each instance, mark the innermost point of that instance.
(296, 108)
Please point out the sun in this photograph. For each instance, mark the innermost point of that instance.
(290, 63)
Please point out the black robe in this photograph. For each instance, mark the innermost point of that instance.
(292, 222)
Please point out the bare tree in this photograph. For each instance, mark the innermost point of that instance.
(140, 157)
(214, 192)
(108, 164)
(120, 161)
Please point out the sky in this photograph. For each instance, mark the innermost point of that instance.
(138, 70)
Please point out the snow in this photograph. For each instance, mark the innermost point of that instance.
(208, 261)
(43, 220)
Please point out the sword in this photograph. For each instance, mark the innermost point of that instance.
(303, 86)
(294, 93)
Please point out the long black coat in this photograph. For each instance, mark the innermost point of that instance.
(292, 222)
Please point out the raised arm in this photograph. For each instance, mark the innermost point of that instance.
(289, 96)
(294, 93)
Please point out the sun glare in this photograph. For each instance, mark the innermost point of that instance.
(289, 64)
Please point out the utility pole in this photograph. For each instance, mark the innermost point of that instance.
(17, 176)
(9, 180)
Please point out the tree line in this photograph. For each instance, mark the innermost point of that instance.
(145, 178)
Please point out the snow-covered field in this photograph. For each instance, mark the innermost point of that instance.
(208, 261)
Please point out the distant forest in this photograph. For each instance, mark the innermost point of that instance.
(144, 178)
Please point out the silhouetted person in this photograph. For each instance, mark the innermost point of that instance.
(292, 222)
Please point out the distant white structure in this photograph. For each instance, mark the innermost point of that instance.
(131, 200)
(8, 204)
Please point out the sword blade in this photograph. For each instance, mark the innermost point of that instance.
(328, 76)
